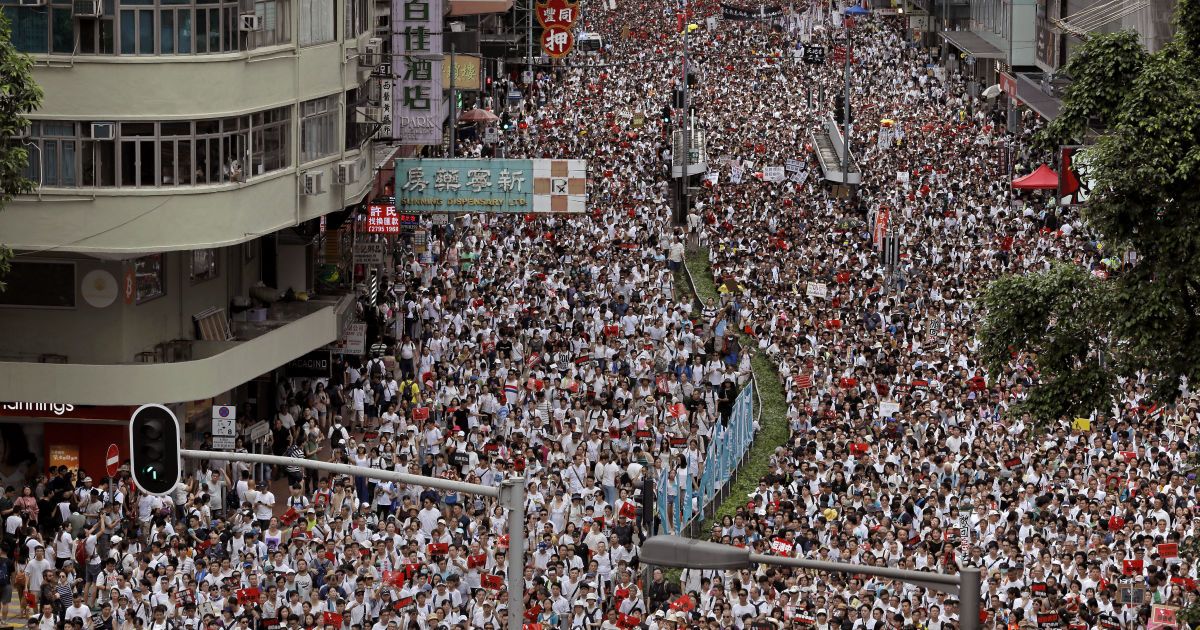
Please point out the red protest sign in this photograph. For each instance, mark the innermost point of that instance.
(247, 596)
(289, 517)
(494, 582)
(477, 561)
(331, 619)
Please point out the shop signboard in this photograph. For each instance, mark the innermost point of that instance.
(315, 364)
(353, 341)
(369, 253)
(493, 186)
(417, 103)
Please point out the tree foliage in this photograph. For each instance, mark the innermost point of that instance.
(1145, 201)
(1053, 322)
(19, 95)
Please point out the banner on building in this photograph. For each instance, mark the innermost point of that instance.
(417, 105)
(733, 12)
(496, 186)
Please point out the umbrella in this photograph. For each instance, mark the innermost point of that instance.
(857, 10)
(992, 91)
(478, 115)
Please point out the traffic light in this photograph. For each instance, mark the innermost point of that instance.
(154, 449)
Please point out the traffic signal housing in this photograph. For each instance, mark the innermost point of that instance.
(154, 449)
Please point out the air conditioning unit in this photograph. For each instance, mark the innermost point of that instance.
(347, 172)
(373, 113)
(87, 8)
(33, 3)
(248, 22)
(103, 130)
(312, 183)
(372, 54)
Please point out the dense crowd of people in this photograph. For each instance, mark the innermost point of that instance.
(563, 350)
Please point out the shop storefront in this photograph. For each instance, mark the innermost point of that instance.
(37, 436)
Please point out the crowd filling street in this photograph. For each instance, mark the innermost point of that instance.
(559, 348)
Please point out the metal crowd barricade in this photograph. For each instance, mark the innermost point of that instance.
(692, 497)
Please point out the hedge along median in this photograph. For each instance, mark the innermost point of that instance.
(774, 430)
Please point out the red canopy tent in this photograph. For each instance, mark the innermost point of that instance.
(1044, 178)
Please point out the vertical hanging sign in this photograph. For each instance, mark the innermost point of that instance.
(418, 108)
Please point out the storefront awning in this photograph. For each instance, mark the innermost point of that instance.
(972, 44)
(1031, 94)
(459, 8)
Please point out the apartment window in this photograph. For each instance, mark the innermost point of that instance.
(318, 128)
(357, 17)
(151, 277)
(153, 154)
(53, 154)
(204, 265)
(39, 285)
(147, 27)
(317, 22)
(42, 29)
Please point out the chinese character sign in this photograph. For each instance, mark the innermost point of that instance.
(524, 186)
(417, 106)
(557, 18)
(382, 219)
(557, 42)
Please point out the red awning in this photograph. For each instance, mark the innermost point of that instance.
(1044, 178)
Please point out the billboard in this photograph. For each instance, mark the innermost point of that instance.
(418, 107)
(468, 72)
(485, 185)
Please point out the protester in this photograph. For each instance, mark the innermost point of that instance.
(562, 349)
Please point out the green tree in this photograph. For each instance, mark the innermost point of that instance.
(1145, 201)
(19, 95)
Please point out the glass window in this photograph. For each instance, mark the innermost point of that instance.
(317, 22)
(170, 153)
(39, 284)
(63, 30)
(203, 265)
(318, 128)
(29, 28)
(151, 277)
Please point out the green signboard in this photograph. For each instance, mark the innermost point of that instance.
(485, 185)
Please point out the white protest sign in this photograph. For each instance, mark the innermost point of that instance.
(773, 173)
(818, 290)
(889, 409)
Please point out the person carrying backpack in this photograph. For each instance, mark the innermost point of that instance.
(338, 435)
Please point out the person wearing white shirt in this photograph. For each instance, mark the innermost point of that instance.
(264, 505)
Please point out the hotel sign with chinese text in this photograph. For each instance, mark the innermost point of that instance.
(418, 109)
(493, 186)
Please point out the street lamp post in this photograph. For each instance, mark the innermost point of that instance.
(510, 494)
(687, 553)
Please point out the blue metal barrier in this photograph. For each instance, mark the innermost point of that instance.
(682, 500)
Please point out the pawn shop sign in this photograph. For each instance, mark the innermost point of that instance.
(557, 42)
(557, 14)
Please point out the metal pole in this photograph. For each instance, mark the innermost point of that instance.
(453, 104)
(347, 469)
(529, 37)
(969, 579)
(512, 497)
(966, 584)
(846, 120)
(937, 581)
(681, 216)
